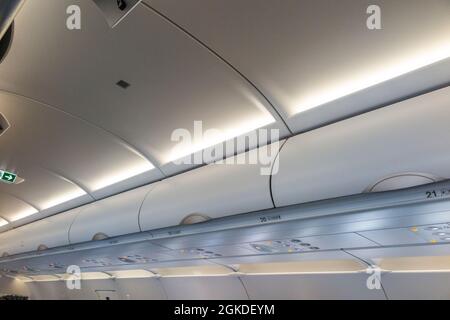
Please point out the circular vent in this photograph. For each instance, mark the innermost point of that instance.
(5, 42)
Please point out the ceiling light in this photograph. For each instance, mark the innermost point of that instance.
(122, 174)
(63, 198)
(375, 76)
(214, 136)
(86, 276)
(45, 278)
(3, 222)
(193, 271)
(303, 267)
(131, 274)
(23, 278)
(23, 214)
(94, 276)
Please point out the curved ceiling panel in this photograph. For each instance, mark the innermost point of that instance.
(304, 54)
(173, 81)
(41, 189)
(60, 157)
(13, 209)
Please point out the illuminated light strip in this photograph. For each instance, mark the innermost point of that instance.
(212, 137)
(419, 271)
(131, 274)
(63, 198)
(326, 95)
(50, 204)
(139, 274)
(23, 214)
(3, 222)
(122, 174)
(193, 271)
(44, 278)
(303, 272)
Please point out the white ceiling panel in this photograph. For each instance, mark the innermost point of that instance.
(68, 147)
(304, 54)
(55, 192)
(12, 208)
(173, 80)
(204, 288)
(65, 162)
(417, 286)
(350, 286)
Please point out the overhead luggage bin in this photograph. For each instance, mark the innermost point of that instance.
(395, 147)
(213, 191)
(114, 216)
(38, 236)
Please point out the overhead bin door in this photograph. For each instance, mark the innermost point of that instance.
(38, 236)
(114, 216)
(213, 191)
(399, 146)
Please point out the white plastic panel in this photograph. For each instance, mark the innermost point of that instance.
(204, 288)
(13, 286)
(350, 156)
(308, 62)
(213, 191)
(46, 233)
(173, 80)
(417, 285)
(114, 216)
(310, 286)
(12, 208)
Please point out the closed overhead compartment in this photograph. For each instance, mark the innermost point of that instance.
(38, 236)
(394, 147)
(240, 184)
(114, 216)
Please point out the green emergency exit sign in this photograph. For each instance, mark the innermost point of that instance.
(7, 177)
